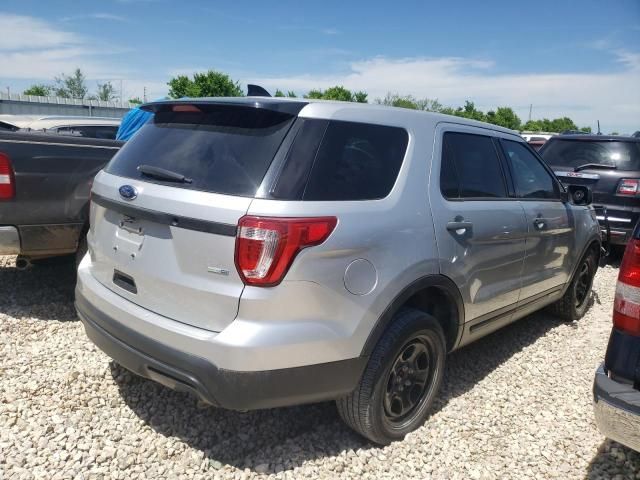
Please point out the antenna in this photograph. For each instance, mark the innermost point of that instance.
(599, 132)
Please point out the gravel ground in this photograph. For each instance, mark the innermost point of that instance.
(516, 404)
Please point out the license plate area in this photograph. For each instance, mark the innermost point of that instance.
(129, 238)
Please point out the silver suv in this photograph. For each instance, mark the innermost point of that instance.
(264, 252)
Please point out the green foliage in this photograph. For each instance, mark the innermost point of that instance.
(337, 93)
(469, 110)
(106, 92)
(614, 133)
(505, 117)
(208, 84)
(136, 101)
(556, 125)
(71, 86)
(292, 94)
(279, 93)
(409, 101)
(314, 94)
(586, 129)
(39, 89)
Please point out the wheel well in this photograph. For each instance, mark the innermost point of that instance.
(438, 303)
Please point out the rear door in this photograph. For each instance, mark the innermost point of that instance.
(550, 248)
(167, 244)
(480, 229)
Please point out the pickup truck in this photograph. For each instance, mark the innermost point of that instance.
(45, 183)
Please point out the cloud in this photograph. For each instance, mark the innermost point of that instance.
(612, 97)
(96, 16)
(23, 32)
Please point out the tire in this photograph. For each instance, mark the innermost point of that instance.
(576, 300)
(410, 354)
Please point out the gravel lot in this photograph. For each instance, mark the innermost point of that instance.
(516, 404)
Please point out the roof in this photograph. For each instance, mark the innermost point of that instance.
(597, 138)
(328, 108)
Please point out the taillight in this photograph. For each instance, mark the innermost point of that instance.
(7, 180)
(266, 246)
(629, 186)
(626, 305)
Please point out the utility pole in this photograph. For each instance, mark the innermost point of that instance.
(121, 95)
(530, 109)
(144, 94)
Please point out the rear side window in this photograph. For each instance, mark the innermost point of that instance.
(574, 153)
(531, 177)
(470, 167)
(223, 148)
(336, 160)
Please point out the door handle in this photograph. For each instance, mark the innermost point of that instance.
(540, 223)
(459, 228)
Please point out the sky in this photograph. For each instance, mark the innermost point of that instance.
(566, 58)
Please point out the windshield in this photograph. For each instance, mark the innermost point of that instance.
(222, 149)
(574, 153)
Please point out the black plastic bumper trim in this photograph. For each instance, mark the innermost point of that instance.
(229, 389)
(179, 221)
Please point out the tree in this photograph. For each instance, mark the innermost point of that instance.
(38, 89)
(505, 117)
(207, 84)
(470, 111)
(360, 97)
(72, 86)
(337, 93)
(586, 129)
(106, 92)
(136, 101)
(292, 94)
(314, 94)
(279, 93)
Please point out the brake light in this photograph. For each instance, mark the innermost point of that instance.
(7, 180)
(629, 186)
(267, 246)
(626, 305)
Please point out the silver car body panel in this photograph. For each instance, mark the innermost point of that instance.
(311, 317)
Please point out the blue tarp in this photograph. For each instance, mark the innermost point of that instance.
(132, 122)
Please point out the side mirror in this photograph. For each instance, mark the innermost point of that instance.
(580, 195)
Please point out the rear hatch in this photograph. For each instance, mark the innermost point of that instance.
(165, 210)
(599, 164)
(610, 167)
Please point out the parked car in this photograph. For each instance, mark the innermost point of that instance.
(89, 127)
(45, 182)
(616, 389)
(536, 142)
(610, 166)
(262, 252)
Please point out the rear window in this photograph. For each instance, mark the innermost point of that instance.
(337, 160)
(574, 153)
(223, 149)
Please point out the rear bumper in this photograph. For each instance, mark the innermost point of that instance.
(9, 241)
(621, 222)
(185, 358)
(617, 409)
(234, 390)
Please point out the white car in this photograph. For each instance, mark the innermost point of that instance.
(81, 126)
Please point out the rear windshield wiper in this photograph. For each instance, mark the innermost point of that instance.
(595, 165)
(162, 174)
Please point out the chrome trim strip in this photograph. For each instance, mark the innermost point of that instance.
(614, 219)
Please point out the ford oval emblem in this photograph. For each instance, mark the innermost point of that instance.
(128, 192)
